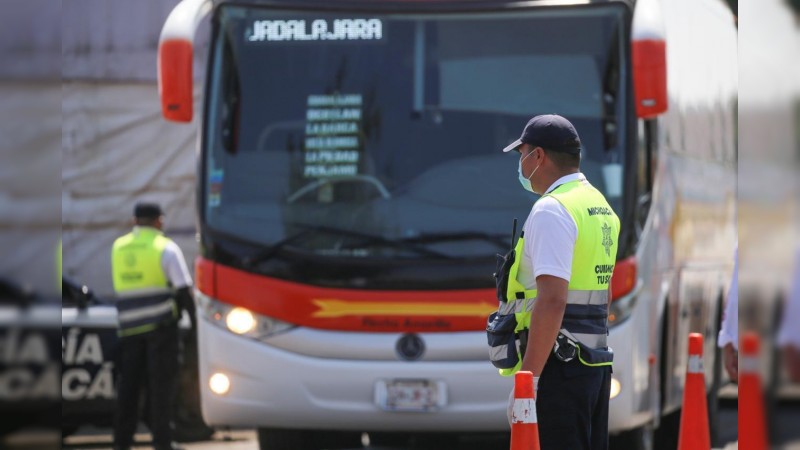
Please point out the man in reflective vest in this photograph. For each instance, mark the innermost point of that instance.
(558, 288)
(152, 284)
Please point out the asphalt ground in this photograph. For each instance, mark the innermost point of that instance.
(786, 422)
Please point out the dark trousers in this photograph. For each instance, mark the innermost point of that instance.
(150, 360)
(572, 406)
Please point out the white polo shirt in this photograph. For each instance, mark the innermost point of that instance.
(174, 265)
(550, 235)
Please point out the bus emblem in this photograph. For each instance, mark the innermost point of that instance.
(410, 347)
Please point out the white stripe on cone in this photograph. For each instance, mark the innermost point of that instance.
(524, 411)
(695, 364)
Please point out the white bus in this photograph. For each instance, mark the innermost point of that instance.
(352, 198)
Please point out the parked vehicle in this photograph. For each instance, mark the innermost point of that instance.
(29, 368)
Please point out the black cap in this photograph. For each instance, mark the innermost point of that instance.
(147, 211)
(551, 132)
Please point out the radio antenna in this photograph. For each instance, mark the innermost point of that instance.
(514, 232)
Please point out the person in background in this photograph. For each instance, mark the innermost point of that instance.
(152, 284)
(789, 333)
(728, 339)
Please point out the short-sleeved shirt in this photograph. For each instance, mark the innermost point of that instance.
(550, 235)
(174, 266)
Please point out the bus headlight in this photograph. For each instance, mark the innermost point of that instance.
(615, 388)
(237, 319)
(219, 383)
(240, 320)
(625, 287)
(621, 308)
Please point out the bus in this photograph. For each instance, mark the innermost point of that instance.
(352, 198)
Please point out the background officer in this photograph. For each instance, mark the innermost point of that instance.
(789, 332)
(564, 260)
(728, 338)
(152, 284)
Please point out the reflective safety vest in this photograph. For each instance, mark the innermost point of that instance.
(586, 316)
(145, 299)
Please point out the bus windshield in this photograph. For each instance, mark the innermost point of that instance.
(379, 136)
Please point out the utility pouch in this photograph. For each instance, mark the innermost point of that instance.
(566, 349)
(503, 347)
(595, 357)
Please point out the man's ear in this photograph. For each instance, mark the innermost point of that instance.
(542, 154)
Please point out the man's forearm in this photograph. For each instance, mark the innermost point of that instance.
(547, 314)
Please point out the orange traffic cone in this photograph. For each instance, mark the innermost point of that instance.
(752, 420)
(524, 427)
(694, 433)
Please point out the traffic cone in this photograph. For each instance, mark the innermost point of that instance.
(694, 433)
(524, 427)
(752, 420)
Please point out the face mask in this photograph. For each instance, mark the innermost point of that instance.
(526, 181)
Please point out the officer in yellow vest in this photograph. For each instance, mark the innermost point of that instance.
(152, 284)
(553, 289)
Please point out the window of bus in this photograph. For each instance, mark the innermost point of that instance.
(646, 162)
(378, 129)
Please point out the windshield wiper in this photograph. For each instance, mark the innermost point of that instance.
(368, 240)
(273, 250)
(501, 240)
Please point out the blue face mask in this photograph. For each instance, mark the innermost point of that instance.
(526, 181)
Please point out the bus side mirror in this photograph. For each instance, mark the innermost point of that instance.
(650, 77)
(649, 57)
(175, 49)
(175, 80)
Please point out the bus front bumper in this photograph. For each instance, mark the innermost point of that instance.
(270, 387)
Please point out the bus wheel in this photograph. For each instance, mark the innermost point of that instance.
(386, 439)
(637, 439)
(274, 439)
(282, 439)
(668, 432)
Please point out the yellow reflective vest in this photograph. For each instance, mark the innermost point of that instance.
(594, 256)
(145, 299)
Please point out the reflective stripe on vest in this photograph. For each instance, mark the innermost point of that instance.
(144, 298)
(594, 256)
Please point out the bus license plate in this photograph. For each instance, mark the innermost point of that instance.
(410, 395)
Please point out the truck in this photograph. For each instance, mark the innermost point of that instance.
(352, 198)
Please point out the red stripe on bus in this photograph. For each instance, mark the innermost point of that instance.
(347, 309)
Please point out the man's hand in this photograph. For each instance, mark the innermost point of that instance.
(183, 297)
(731, 359)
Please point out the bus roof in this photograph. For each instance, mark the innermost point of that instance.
(421, 5)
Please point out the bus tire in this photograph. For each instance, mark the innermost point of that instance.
(637, 439)
(712, 398)
(666, 436)
(388, 439)
(276, 439)
(284, 439)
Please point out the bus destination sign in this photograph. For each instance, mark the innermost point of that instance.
(315, 30)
